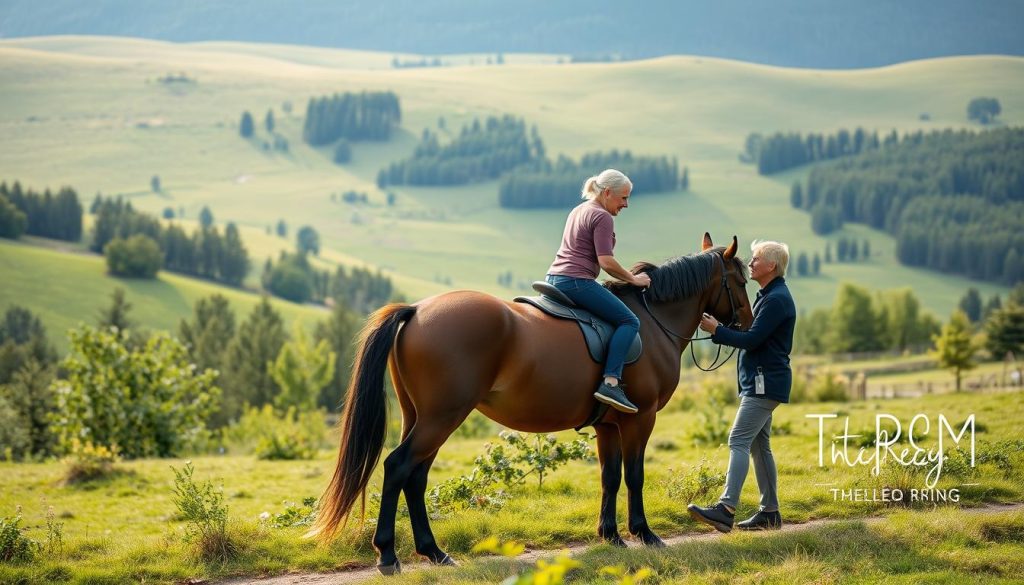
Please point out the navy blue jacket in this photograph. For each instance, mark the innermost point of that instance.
(767, 344)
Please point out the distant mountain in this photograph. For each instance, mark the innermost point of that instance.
(795, 33)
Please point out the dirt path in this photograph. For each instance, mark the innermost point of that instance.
(360, 574)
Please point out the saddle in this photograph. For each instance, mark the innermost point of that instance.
(597, 333)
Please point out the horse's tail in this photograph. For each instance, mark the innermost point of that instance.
(363, 423)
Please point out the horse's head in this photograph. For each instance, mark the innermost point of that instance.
(727, 297)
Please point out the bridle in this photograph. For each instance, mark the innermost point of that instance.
(725, 289)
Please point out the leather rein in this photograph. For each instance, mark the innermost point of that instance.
(734, 320)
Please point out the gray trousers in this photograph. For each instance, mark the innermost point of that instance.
(750, 436)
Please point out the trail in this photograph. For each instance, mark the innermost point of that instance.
(361, 574)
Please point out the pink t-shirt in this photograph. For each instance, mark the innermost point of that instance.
(589, 233)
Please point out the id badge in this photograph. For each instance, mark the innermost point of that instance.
(759, 382)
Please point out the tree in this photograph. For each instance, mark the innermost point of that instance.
(342, 152)
(31, 398)
(339, 330)
(302, 371)
(983, 109)
(970, 304)
(168, 213)
(855, 325)
(993, 304)
(246, 128)
(308, 240)
(209, 333)
(684, 183)
(206, 217)
(268, 121)
(12, 221)
(1005, 329)
(245, 377)
(290, 282)
(796, 195)
(954, 347)
(234, 263)
(137, 257)
(816, 265)
(116, 315)
(802, 265)
(828, 252)
(143, 402)
(282, 228)
(866, 250)
(905, 326)
(154, 183)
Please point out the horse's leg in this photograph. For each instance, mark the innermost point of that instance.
(414, 490)
(609, 452)
(635, 431)
(421, 444)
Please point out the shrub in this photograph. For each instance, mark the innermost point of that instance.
(139, 256)
(542, 457)
(293, 514)
(145, 401)
(202, 508)
(271, 436)
(87, 462)
(829, 387)
(476, 490)
(14, 545)
(695, 484)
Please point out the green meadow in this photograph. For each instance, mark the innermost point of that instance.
(126, 528)
(91, 112)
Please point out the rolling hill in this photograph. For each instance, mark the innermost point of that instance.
(91, 112)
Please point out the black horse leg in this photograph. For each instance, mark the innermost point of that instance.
(414, 489)
(634, 439)
(609, 452)
(398, 466)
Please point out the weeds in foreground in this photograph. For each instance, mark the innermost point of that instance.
(694, 485)
(202, 508)
(14, 544)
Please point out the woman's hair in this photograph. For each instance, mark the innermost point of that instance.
(608, 179)
(769, 251)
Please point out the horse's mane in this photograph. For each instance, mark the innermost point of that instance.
(680, 277)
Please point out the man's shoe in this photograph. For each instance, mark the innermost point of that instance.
(717, 516)
(762, 521)
(614, 396)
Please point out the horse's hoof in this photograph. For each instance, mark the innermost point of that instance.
(615, 541)
(388, 570)
(654, 542)
(447, 561)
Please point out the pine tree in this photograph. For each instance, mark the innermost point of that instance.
(245, 377)
(684, 183)
(116, 315)
(802, 265)
(796, 196)
(12, 221)
(301, 371)
(205, 217)
(816, 265)
(282, 228)
(268, 121)
(235, 258)
(154, 183)
(1005, 329)
(246, 127)
(970, 304)
(209, 333)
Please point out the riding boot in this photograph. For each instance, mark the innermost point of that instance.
(615, 397)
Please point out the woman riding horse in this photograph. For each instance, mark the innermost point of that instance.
(457, 351)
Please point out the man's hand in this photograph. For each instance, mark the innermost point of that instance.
(708, 323)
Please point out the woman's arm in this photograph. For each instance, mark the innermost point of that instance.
(610, 265)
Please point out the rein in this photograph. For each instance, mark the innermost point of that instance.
(725, 288)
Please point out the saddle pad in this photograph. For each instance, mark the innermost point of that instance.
(596, 332)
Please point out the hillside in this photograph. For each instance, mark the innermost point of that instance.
(89, 112)
(795, 33)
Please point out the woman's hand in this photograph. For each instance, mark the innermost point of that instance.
(642, 280)
(708, 323)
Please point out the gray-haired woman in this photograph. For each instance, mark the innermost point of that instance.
(586, 249)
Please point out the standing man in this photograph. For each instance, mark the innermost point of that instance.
(765, 379)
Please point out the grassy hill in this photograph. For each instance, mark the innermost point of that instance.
(66, 289)
(90, 112)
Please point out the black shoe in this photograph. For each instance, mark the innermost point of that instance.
(717, 516)
(614, 396)
(762, 521)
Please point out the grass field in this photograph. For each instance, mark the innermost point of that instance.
(68, 288)
(125, 528)
(89, 112)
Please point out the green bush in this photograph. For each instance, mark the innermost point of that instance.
(88, 462)
(14, 545)
(144, 401)
(829, 387)
(202, 508)
(139, 256)
(694, 485)
(273, 436)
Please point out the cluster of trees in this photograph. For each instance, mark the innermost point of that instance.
(48, 215)
(293, 278)
(860, 321)
(27, 366)
(998, 329)
(780, 152)
(481, 152)
(558, 184)
(954, 200)
(352, 116)
(983, 109)
(137, 244)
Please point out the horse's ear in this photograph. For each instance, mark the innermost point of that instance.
(730, 252)
(707, 244)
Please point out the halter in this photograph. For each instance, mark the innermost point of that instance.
(733, 322)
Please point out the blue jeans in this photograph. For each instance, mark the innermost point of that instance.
(750, 436)
(590, 295)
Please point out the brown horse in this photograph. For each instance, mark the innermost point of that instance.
(457, 351)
